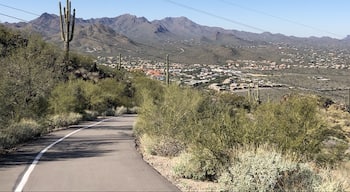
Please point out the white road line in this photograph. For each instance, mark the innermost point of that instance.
(26, 175)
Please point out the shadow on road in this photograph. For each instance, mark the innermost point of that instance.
(92, 142)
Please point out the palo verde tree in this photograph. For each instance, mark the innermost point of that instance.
(67, 22)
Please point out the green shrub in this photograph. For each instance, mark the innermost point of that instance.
(64, 119)
(109, 95)
(148, 144)
(265, 169)
(142, 84)
(78, 96)
(20, 132)
(69, 97)
(198, 164)
(218, 123)
(148, 119)
(190, 116)
(27, 76)
(109, 112)
(333, 152)
(89, 115)
(293, 125)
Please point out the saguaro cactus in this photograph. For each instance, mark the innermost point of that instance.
(67, 22)
(167, 74)
(120, 61)
(249, 93)
(258, 99)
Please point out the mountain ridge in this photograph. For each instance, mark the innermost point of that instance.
(137, 36)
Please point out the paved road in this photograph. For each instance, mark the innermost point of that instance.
(99, 158)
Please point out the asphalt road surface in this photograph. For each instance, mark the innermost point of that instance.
(98, 156)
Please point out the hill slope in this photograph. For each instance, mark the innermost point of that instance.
(184, 39)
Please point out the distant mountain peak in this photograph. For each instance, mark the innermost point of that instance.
(47, 16)
(347, 38)
(180, 20)
(176, 18)
(134, 18)
(45, 19)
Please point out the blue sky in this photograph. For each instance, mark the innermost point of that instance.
(302, 18)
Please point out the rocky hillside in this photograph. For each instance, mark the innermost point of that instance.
(184, 39)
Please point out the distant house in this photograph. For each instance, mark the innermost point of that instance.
(216, 87)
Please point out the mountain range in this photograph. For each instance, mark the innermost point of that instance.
(185, 40)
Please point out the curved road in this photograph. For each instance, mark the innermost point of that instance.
(101, 157)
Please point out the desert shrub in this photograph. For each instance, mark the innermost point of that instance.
(142, 84)
(178, 111)
(327, 182)
(109, 112)
(27, 76)
(160, 146)
(332, 152)
(148, 115)
(191, 118)
(148, 144)
(19, 132)
(78, 96)
(168, 147)
(69, 97)
(265, 169)
(199, 164)
(171, 116)
(64, 119)
(113, 93)
(106, 95)
(90, 115)
(234, 100)
(133, 110)
(293, 125)
(78, 60)
(185, 167)
(121, 110)
(218, 126)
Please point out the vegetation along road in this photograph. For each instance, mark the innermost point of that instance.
(98, 156)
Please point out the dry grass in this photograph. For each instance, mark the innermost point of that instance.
(342, 173)
(337, 117)
(164, 166)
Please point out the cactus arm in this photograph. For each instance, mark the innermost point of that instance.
(61, 23)
(73, 24)
(67, 13)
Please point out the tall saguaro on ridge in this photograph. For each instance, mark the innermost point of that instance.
(67, 22)
(167, 73)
